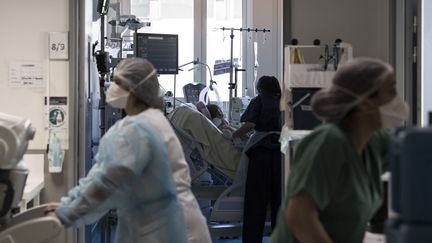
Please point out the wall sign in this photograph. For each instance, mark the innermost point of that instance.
(57, 113)
(58, 46)
(26, 74)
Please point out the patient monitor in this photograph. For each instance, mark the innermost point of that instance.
(31, 225)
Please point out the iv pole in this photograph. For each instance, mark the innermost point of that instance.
(194, 62)
(231, 84)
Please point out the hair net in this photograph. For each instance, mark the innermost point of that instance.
(354, 81)
(140, 77)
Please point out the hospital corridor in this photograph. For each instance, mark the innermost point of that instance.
(215, 121)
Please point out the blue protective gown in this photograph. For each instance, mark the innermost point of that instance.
(132, 174)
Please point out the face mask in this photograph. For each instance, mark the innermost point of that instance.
(394, 113)
(217, 121)
(116, 96)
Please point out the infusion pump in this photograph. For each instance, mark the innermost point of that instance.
(239, 105)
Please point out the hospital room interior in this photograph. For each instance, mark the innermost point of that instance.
(221, 121)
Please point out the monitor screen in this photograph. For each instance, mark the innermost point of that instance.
(160, 49)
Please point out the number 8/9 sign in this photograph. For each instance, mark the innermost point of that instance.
(58, 46)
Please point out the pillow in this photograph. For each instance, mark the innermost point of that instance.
(203, 109)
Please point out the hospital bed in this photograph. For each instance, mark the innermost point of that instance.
(206, 138)
(208, 151)
(216, 171)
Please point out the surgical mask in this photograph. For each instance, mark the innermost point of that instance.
(394, 113)
(117, 97)
(217, 121)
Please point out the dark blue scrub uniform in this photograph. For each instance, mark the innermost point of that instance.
(263, 182)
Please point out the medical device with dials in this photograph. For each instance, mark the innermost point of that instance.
(31, 225)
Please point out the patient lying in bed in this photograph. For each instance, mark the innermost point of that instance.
(218, 150)
(214, 113)
(218, 118)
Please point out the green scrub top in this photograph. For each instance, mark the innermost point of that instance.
(345, 186)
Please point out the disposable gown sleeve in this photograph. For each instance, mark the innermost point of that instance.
(119, 161)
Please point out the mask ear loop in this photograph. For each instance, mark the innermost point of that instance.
(359, 98)
(143, 80)
(132, 91)
(380, 79)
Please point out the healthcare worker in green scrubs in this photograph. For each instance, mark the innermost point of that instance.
(334, 186)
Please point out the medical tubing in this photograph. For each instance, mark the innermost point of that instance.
(231, 76)
(204, 97)
(165, 91)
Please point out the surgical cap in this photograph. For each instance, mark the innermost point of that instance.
(136, 74)
(353, 81)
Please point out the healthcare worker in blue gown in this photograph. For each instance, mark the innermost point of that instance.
(128, 74)
(132, 174)
(334, 186)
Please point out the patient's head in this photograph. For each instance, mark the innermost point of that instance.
(215, 111)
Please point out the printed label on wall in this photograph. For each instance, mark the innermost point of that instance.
(57, 113)
(58, 46)
(26, 74)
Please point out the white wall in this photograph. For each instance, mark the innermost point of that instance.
(363, 23)
(264, 15)
(25, 26)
